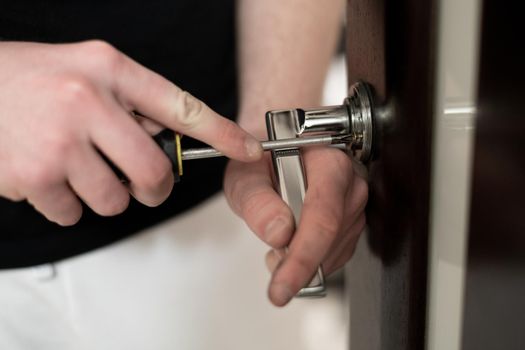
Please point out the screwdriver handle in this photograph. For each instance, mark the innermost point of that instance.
(167, 141)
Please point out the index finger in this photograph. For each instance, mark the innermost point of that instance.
(329, 176)
(161, 100)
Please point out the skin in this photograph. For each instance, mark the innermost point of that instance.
(62, 104)
(285, 50)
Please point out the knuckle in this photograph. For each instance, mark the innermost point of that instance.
(73, 215)
(234, 175)
(117, 205)
(234, 189)
(38, 177)
(15, 197)
(157, 174)
(327, 223)
(9, 186)
(70, 219)
(261, 211)
(254, 202)
(12, 195)
(62, 208)
(328, 229)
(305, 264)
(189, 110)
(228, 131)
(73, 89)
(58, 146)
(103, 55)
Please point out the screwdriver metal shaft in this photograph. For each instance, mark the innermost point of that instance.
(200, 153)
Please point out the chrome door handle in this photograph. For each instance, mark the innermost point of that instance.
(353, 118)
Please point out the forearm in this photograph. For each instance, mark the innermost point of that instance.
(285, 49)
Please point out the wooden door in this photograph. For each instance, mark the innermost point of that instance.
(443, 263)
(391, 44)
(494, 306)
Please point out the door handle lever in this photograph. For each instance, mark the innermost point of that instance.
(355, 118)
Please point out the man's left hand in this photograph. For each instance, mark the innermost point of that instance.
(332, 216)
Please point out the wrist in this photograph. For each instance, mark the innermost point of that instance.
(253, 121)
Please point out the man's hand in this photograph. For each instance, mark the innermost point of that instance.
(331, 221)
(60, 105)
(284, 53)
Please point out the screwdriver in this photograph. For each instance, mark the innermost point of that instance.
(169, 142)
(209, 152)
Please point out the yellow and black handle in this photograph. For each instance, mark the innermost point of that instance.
(169, 142)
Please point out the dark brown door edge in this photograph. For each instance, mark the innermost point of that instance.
(392, 46)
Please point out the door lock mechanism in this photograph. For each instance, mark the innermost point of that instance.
(354, 119)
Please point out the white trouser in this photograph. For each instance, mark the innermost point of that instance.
(195, 282)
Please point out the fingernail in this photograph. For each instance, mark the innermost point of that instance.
(276, 230)
(281, 253)
(280, 294)
(272, 261)
(253, 148)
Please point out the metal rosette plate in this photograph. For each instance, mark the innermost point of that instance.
(360, 109)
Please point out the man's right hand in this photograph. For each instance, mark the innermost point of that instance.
(60, 105)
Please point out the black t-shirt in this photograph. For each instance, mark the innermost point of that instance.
(190, 42)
